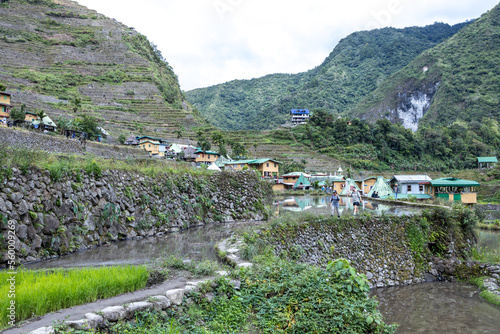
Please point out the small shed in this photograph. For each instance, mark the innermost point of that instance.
(487, 162)
(131, 140)
(409, 184)
(456, 190)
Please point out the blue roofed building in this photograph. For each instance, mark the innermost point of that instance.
(300, 116)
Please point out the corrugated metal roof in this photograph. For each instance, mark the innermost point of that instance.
(453, 182)
(487, 159)
(411, 178)
(261, 161)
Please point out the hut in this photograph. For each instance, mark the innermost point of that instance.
(302, 183)
(349, 188)
(381, 187)
(457, 190)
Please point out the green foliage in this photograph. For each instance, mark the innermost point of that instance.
(356, 67)
(92, 168)
(41, 292)
(466, 70)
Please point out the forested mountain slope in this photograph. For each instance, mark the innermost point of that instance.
(356, 66)
(56, 53)
(458, 80)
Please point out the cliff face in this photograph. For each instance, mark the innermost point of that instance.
(54, 52)
(456, 80)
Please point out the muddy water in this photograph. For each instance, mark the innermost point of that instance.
(195, 243)
(439, 307)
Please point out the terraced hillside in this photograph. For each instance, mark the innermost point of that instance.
(55, 51)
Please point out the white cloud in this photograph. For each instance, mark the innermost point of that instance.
(214, 41)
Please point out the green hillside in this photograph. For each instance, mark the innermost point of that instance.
(56, 52)
(459, 77)
(357, 65)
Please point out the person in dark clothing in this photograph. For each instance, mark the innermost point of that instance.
(334, 201)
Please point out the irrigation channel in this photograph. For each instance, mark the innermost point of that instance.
(439, 307)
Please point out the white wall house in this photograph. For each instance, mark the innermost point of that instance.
(409, 184)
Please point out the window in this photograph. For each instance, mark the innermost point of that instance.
(209, 156)
(408, 188)
(421, 188)
(149, 145)
(274, 165)
(144, 145)
(267, 165)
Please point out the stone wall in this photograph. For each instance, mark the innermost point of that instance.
(376, 247)
(82, 211)
(32, 140)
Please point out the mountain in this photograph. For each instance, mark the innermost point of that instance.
(56, 52)
(355, 67)
(457, 80)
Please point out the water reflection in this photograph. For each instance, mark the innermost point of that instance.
(320, 205)
(439, 307)
(196, 243)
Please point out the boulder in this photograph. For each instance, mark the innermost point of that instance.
(114, 313)
(93, 320)
(162, 301)
(175, 296)
(132, 308)
(51, 223)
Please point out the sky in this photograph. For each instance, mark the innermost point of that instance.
(208, 42)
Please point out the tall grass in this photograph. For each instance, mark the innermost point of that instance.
(43, 291)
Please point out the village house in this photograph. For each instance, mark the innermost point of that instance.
(453, 189)
(409, 185)
(30, 117)
(151, 146)
(4, 108)
(46, 124)
(299, 116)
(486, 162)
(205, 158)
(268, 168)
(367, 184)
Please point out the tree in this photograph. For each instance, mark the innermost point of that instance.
(122, 139)
(18, 115)
(76, 103)
(219, 140)
(255, 149)
(41, 115)
(90, 126)
(179, 132)
(2, 87)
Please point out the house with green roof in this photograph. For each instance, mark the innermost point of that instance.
(269, 168)
(487, 162)
(455, 190)
(302, 183)
(46, 123)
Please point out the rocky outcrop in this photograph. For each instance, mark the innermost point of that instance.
(81, 211)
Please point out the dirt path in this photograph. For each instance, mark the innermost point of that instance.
(78, 312)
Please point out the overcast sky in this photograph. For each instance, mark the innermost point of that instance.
(214, 41)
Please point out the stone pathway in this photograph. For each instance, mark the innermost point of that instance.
(79, 312)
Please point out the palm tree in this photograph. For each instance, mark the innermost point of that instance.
(41, 115)
(62, 123)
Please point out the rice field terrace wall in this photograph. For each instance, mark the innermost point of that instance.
(41, 217)
(389, 250)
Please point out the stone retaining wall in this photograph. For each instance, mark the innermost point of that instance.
(82, 211)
